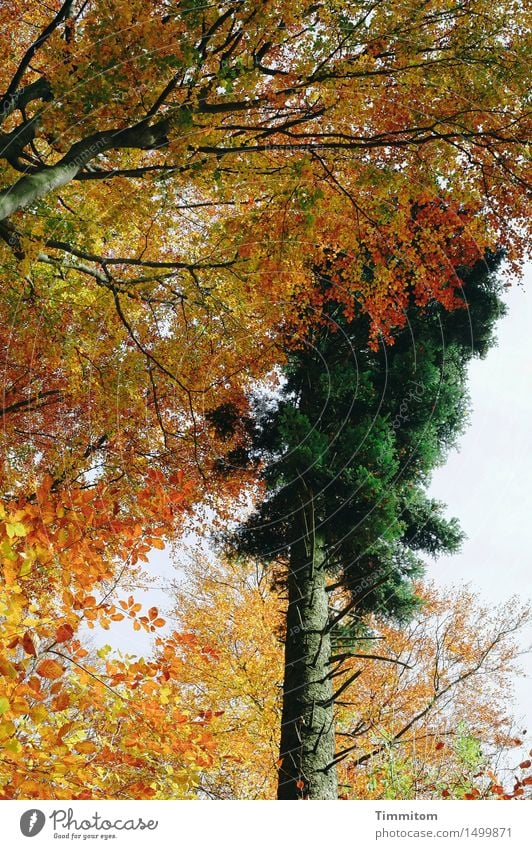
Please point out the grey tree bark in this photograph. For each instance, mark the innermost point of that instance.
(32, 187)
(307, 768)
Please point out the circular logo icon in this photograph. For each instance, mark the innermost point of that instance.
(32, 822)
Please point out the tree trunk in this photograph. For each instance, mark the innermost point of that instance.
(307, 731)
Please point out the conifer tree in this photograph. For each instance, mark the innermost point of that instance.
(347, 455)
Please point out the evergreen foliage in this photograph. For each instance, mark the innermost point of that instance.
(356, 435)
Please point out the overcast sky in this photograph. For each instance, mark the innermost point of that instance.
(487, 484)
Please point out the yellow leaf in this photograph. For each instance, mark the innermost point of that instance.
(16, 529)
(85, 747)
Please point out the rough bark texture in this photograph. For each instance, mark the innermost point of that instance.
(307, 732)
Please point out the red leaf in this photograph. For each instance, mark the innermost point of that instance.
(64, 633)
(27, 645)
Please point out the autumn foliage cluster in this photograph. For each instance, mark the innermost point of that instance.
(171, 174)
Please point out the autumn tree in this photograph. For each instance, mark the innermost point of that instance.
(169, 173)
(347, 456)
(427, 718)
(80, 725)
(145, 148)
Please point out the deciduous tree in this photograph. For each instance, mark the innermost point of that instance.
(427, 717)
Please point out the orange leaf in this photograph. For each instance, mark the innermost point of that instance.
(61, 702)
(50, 669)
(153, 613)
(525, 764)
(64, 730)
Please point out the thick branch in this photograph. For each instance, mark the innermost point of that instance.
(38, 90)
(63, 13)
(32, 187)
(344, 656)
(40, 399)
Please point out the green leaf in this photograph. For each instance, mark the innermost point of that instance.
(16, 529)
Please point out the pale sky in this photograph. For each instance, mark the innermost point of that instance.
(487, 483)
